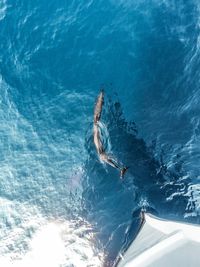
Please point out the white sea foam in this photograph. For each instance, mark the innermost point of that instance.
(30, 239)
(193, 205)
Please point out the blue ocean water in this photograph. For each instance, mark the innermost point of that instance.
(60, 206)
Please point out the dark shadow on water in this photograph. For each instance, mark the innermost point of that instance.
(110, 203)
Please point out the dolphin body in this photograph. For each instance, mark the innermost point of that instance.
(97, 138)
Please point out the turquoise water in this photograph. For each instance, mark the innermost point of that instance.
(55, 56)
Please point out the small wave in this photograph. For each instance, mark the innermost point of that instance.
(3, 8)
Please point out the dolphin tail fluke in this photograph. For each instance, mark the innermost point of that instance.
(123, 171)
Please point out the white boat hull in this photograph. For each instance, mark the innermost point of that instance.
(162, 243)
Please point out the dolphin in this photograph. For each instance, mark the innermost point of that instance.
(97, 137)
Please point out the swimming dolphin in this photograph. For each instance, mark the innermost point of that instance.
(97, 138)
(98, 107)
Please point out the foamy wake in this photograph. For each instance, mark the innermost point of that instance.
(30, 240)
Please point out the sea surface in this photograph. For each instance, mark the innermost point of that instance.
(60, 206)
